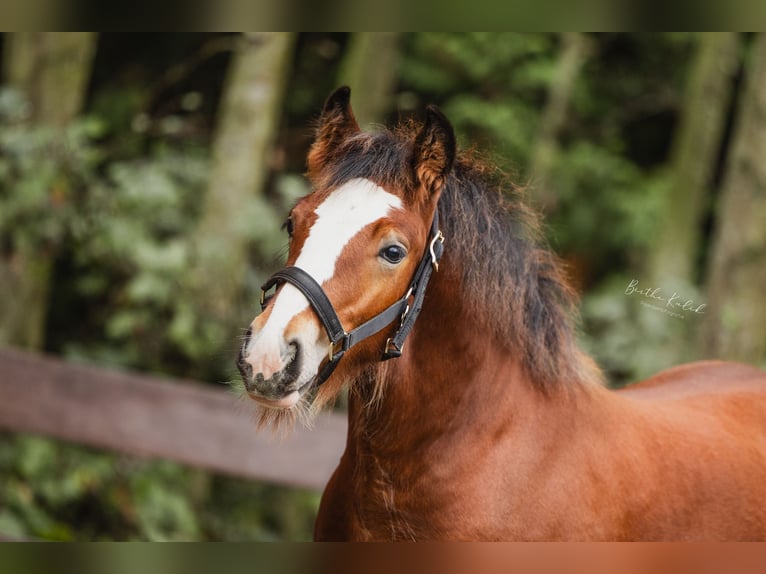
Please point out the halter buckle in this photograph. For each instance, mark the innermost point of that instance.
(391, 349)
(332, 354)
(439, 237)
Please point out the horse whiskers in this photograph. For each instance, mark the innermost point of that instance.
(369, 387)
(283, 421)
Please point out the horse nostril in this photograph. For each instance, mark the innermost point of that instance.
(293, 350)
(292, 361)
(255, 383)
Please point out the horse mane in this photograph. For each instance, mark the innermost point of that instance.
(514, 284)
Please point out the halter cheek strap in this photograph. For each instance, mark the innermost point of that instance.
(340, 340)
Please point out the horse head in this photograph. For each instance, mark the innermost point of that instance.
(359, 246)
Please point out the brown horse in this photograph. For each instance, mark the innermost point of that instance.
(492, 424)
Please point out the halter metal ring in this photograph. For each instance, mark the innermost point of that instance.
(432, 249)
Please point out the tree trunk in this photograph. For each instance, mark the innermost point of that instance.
(369, 69)
(234, 213)
(735, 326)
(694, 157)
(52, 70)
(574, 52)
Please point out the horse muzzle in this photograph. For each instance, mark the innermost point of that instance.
(273, 376)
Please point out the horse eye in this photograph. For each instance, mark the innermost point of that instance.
(288, 226)
(393, 253)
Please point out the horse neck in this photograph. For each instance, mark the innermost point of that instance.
(454, 384)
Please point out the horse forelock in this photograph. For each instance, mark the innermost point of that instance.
(514, 285)
(382, 157)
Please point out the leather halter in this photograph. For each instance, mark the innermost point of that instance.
(407, 308)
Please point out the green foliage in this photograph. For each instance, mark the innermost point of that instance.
(594, 185)
(489, 85)
(40, 173)
(60, 492)
(118, 211)
(57, 492)
(124, 221)
(259, 512)
(137, 231)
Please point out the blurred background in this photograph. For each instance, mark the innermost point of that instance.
(144, 179)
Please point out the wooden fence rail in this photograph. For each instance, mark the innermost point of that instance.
(183, 421)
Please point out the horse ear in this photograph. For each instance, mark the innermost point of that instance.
(434, 151)
(336, 123)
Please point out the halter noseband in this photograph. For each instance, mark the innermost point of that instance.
(340, 340)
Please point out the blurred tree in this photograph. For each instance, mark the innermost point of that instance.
(735, 326)
(369, 68)
(574, 52)
(235, 211)
(696, 147)
(52, 71)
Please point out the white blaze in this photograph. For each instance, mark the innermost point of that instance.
(343, 214)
